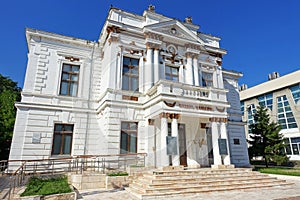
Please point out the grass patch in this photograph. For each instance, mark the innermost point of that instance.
(279, 170)
(118, 174)
(137, 166)
(41, 186)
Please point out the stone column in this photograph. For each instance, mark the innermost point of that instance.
(196, 73)
(181, 74)
(174, 132)
(164, 158)
(156, 66)
(215, 136)
(189, 77)
(200, 75)
(224, 136)
(119, 70)
(148, 75)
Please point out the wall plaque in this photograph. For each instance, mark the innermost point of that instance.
(222, 146)
(172, 145)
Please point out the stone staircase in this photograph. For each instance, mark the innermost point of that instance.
(156, 184)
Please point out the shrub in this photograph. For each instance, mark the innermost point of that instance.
(40, 186)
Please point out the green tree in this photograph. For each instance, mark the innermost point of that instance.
(9, 94)
(265, 139)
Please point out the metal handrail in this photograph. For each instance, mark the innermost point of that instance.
(76, 164)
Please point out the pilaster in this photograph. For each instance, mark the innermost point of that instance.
(156, 65)
(164, 158)
(174, 132)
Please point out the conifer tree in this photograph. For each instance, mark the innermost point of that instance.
(265, 139)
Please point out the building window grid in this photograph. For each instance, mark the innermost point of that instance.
(130, 75)
(251, 112)
(62, 139)
(285, 115)
(243, 107)
(128, 140)
(295, 90)
(69, 80)
(292, 146)
(172, 73)
(266, 100)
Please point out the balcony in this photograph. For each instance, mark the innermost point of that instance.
(176, 89)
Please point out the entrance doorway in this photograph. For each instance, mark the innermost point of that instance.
(182, 144)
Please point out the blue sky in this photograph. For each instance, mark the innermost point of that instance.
(260, 36)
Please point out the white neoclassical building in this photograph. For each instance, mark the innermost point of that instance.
(151, 84)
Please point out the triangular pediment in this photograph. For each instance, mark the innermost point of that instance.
(173, 28)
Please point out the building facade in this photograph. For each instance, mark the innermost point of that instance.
(151, 84)
(280, 95)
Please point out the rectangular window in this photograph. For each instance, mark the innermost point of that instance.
(172, 73)
(62, 139)
(128, 141)
(295, 90)
(285, 115)
(207, 79)
(130, 75)
(251, 112)
(242, 107)
(69, 80)
(266, 100)
(236, 141)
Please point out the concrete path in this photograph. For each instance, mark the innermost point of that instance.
(4, 186)
(275, 193)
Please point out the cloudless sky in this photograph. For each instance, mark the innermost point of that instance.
(261, 36)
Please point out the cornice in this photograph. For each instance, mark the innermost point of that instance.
(34, 33)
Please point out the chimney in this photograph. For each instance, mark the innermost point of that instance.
(188, 20)
(243, 87)
(151, 8)
(273, 76)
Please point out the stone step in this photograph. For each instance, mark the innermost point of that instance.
(207, 188)
(200, 180)
(195, 175)
(179, 186)
(202, 171)
(136, 194)
(162, 183)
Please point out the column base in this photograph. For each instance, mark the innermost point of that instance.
(222, 166)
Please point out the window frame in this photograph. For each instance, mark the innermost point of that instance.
(295, 91)
(62, 144)
(171, 75)
(207, 82)
(129, 133)
(69, 81)
(129, 74)
(264, 100)
(286, 116)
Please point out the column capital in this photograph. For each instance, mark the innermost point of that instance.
(169, 115)
(174, 116)
(218, 119)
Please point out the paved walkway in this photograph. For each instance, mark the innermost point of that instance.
(275, 193)
(4, 186)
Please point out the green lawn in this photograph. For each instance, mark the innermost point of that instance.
(39, 186)
(279, 170)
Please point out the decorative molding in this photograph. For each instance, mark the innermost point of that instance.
(220, 109)
(71, 58)
(169, 104)
(218, 119)
(131, 98)
(169, 115)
